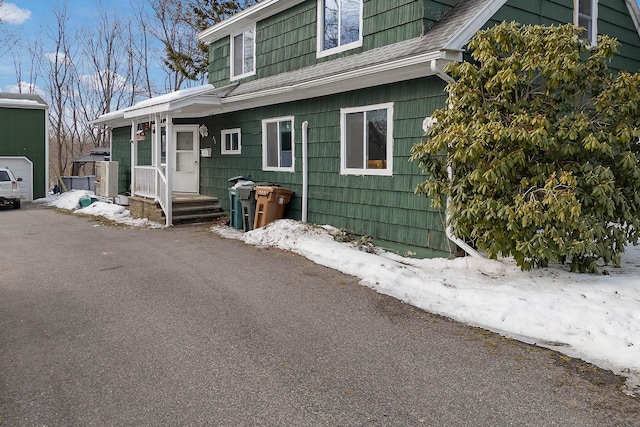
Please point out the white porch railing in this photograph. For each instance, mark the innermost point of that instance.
(151, 181)
(145, 181)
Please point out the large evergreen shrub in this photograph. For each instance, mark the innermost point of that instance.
(538, 151)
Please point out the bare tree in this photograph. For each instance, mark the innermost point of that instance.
(115, 72)
(60, 81)
(7, 38)
(178, 22)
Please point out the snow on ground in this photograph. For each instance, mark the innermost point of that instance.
(592, 317)
(70, 201)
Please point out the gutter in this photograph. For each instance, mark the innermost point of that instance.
(449, 229)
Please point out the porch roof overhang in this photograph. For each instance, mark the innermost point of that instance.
(191, 102)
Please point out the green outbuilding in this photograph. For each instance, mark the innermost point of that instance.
(23, 142)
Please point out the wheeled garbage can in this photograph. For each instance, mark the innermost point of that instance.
(246, 195)
(270, 204)
(235, 209)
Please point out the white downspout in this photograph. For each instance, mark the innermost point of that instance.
(134, 156)
(169, 167)
(305, 171)
(449, 228)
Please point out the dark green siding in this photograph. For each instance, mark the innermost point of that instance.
(219, 65)
(287, 41)
(23, 134)
(382, 207)
(121, 153)
(613, 20)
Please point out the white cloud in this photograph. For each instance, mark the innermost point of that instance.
(26, 88)
(12, 14)
(61, 58)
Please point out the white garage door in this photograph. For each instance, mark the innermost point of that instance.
(21, 168)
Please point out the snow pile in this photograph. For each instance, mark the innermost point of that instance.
(592, 317)
(70, 201)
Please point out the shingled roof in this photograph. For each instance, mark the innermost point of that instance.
(414, 58)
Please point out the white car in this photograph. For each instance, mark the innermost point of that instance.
(9, 189)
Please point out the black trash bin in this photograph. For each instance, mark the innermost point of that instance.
(235, 208)
(246, 196)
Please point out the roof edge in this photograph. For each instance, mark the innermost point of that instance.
(245, 18)
(466, 32)
(634, 11)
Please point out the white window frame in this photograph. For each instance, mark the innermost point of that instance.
(278, 168)
(320, 50)
(223, 145)
(233, 50)
(388, 171)
(592, 35)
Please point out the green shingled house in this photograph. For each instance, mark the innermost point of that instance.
(327, 97)
(23, 142)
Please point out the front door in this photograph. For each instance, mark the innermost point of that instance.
(186, 167)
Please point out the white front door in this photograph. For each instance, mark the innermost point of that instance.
(187, 154)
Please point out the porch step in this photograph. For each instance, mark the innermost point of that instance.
(187, 209)
(190, 209)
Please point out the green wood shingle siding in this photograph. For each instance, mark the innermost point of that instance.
(379, 206)
(121, 153)
(23, 135)
(613, 19)
(287, 41)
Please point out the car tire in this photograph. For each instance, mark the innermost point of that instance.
(16, 204)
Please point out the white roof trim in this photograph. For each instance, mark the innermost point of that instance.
(342, 82)
(26, 104)
(172, 101)
(634, 11)
(249, 16)
(462, 36)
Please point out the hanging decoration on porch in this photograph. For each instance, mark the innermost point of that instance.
(141, 131)
(204, 131)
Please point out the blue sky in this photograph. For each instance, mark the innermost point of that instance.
(28, 18)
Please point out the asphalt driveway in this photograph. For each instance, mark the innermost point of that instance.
(109, 326)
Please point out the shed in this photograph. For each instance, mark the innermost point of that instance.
(23, 141)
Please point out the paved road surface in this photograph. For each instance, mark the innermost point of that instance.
(107, 326)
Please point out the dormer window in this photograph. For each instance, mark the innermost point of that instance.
(339, 26)
(243, 54)
(586, 16)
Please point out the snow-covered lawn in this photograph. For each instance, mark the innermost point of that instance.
(592, 317)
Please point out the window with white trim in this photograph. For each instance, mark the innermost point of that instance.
(586, 16)
(366, 142)
(231, 141)
(243, 54)
(339, 26)
(277, 144)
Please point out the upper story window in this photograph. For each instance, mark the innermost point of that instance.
(339, 25)
(586, 16)
(366, 142)
(277, 144)
(231, 141)
(243, 54)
